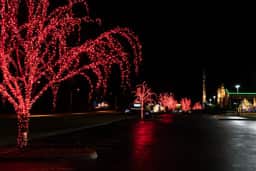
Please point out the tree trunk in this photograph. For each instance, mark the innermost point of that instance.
(23, 130)
(141, 110)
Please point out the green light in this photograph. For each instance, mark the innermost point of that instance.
(243, 93)
(240, 93)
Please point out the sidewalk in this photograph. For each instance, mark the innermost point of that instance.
(54, 125)
(47, 153)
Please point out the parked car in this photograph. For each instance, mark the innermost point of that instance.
(137, 109)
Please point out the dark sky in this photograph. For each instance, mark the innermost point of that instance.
(181, 38)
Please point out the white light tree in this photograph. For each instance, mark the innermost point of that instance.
(36, 55)
(143, 95)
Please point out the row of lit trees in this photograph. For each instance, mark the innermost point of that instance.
(36, 53)
(144, 95)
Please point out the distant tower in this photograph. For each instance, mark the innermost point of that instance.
(204, 90)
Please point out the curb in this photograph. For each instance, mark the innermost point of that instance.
(48, 153)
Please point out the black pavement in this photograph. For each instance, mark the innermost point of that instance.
(165, 142)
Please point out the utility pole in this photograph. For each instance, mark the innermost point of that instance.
(204, 90)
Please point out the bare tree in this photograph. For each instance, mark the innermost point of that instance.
(168, 101)
(35, 52)
(185, 104)
(143, 95)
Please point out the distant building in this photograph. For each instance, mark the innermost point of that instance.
(222, 96)
(241, 101)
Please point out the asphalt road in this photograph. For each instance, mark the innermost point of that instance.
(167, 142)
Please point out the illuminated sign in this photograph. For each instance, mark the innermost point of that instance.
(136, 105)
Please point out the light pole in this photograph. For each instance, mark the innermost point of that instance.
(214, 99)
(237, 88)
(210, 100)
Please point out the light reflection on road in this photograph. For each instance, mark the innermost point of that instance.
(162, 143)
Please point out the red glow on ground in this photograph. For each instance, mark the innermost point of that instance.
(143, 136)
(144, 133)
(166, 118)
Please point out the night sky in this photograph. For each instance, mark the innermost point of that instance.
(181, 39)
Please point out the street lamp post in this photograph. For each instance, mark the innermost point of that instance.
(214, 99)
(237, 88)
(210, 100)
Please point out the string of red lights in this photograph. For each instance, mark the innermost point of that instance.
(35, 53)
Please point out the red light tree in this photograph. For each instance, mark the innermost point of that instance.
(185, 104)
(143, 95)
(197, 106)
(168, 101)
(36, 55)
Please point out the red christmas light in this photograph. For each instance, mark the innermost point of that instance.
(197, 106)
(35, 49)
(168, 101)
(185, 104)
(143, 95)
